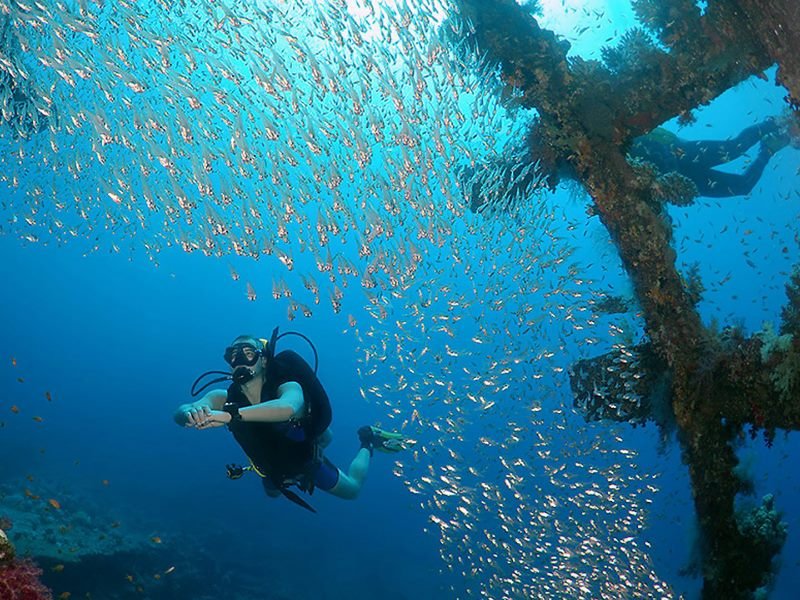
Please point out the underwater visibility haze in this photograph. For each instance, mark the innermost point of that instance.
(554, 245)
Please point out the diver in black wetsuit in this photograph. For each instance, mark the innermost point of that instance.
(667, 152)
(279, 414)
(696, 160)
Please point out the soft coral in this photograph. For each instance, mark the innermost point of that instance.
(19, 580)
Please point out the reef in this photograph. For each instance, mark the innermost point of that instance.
(707, 385)
(75, 545)
(55, 525)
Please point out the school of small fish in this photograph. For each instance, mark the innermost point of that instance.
(329, 139)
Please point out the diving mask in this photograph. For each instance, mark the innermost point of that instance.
(242, 355)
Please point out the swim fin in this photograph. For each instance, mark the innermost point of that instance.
(374, 438)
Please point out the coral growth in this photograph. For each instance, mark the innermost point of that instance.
(780, 352)
(694, 283)
(6, 549)
(791, 312)
(671, 187)
(19, 579)
(672, 21)
(634, 54)
(762, 525)
(675, 188)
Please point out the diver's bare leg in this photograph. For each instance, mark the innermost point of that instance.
(350, 483)
(325, 439)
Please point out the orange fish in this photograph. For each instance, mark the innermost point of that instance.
(38, 419)
(31, 495)
(64, 595)
(155, 539)
(54, 503)
(15, 409)
(13, 362)
(48, 396)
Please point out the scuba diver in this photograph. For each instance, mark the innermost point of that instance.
(696, 160)
(505, 181)
(279, 414)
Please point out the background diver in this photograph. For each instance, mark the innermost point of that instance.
(668, 153)
(279, 414)
(696, 160)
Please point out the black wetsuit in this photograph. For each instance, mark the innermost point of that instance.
(287, 453)
(696, 159)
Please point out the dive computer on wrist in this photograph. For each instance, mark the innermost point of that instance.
(233, 410)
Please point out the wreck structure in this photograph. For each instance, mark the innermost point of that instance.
(712, 384)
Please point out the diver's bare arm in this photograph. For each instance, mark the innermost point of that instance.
(287, 405)
(212, 400)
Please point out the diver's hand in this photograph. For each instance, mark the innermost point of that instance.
(213, 418)
(204, 418)
(195, 415)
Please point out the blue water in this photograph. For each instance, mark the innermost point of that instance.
(116, 341)
(119, 344)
